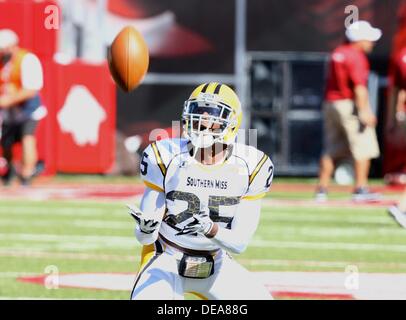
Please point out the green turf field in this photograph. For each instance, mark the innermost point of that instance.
(84, 237)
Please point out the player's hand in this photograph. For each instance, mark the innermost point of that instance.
(147, 225)
(202, 224)
(368, 118)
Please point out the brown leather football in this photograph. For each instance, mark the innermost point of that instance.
(128, 59)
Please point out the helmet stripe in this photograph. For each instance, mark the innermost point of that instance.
(218, 88)
(204, 89)
(212, 87)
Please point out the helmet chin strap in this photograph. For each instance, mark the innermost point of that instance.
(201, 140)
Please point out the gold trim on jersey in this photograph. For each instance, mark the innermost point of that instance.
(153, 186)
(258, 168)
(256, 197)
(159, 158)
(199, 295)
(147, 254)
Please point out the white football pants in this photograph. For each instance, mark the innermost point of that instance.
(158, 278)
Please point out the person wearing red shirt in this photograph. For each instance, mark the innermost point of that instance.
(349, 123)
(399, 89)
(398, 119)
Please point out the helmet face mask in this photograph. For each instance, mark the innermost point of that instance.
(211, 115)
(206, 123)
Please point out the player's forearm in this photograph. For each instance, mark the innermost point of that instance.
(230, 241)
(152, 207)
(145, 238)
(245, 223)
(361, 98)
(153, 204)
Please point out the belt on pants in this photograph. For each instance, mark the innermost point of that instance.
(189, 251)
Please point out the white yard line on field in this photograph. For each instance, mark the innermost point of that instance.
(318, 218)
(77, 223)
(329, 246)
(69, 246)
(291, 205)
(65, 238)
(313, 231)
(29, 210)
(295, 216)
(65, 255)
(339, 203)
(24, 253)
(329, 232)
(129, 242)
(321, 264)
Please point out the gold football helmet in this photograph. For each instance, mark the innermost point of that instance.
(212, 115)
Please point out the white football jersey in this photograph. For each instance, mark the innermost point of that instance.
(191, 187)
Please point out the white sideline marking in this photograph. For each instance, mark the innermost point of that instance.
(129, 242)
(372, 286)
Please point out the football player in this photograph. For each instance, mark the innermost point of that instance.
(202, 201)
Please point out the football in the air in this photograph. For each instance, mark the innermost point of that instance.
(128, 59)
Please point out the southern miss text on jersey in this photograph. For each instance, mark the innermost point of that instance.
(191, 187)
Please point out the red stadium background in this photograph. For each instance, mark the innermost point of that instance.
(272, 25)
(56, 147)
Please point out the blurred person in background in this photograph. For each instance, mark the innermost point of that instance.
(398, 122)
(349, 122)
(21, 79)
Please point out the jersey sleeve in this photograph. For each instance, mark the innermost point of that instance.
(358, 70)
(260, 178)
(152, 168)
